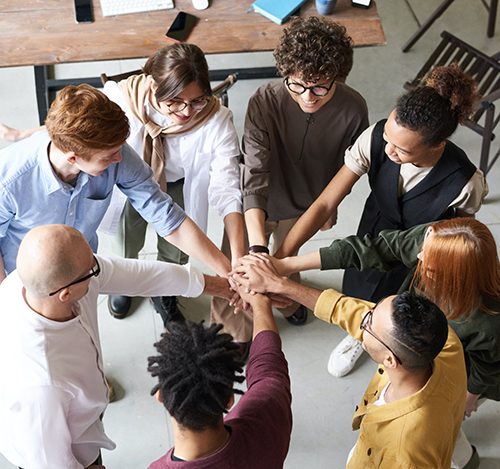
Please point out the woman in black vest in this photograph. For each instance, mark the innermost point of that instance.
(416, 176)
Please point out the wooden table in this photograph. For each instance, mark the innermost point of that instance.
(44, 32)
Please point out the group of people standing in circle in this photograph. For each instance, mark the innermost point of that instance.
(307, 141)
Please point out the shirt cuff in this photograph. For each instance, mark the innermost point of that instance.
(354, 166)
(254, 201)
(233, 207)
(196, 282)
(331, 257)
(325, 306)
(173, 220)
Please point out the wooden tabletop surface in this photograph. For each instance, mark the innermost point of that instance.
(44, 32)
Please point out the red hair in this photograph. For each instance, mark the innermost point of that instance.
(460, 265)
(82, 120)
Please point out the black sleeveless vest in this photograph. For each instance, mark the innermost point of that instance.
(428, 201)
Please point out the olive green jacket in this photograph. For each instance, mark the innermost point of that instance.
(479, 332)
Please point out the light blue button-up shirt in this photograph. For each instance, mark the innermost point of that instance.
(31, 194)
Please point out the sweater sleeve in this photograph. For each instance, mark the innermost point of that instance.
(479, 335)
(382, 252)
(256, 158)
(484, 369)
(266, 405)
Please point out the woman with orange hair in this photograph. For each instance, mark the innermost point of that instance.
(455, 264)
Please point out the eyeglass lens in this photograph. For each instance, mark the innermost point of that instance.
(198, 105)
(298, 88)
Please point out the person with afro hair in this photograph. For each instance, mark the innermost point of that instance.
(197, 367)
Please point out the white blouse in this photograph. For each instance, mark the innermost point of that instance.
(206, 157)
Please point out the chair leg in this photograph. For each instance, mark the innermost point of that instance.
(492, 17)
(430, 21)
(485, 146)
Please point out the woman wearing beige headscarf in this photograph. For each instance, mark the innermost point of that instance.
(190, 142)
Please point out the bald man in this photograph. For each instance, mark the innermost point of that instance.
(53, 391)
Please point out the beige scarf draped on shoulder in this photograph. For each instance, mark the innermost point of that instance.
(136, 89)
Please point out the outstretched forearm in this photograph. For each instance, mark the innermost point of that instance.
(189, 238)
(293, 264)
(319, 212)
(13, 135)
(235, 231)
(255, 219)
(307, 296)
(217, 286)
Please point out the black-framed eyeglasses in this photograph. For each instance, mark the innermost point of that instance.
(196, 105)
(94, 272)
(365, 325)
(317, 90)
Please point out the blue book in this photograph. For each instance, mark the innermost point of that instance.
(277, 10)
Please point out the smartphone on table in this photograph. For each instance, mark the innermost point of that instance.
(182, 26)
(83, 11)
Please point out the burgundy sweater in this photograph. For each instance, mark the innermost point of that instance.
(261, 422)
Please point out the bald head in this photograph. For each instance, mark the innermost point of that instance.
(51, 256)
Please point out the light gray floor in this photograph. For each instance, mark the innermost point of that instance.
(322, 405)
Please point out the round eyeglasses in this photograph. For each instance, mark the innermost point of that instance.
(317, 90)
(196, 105)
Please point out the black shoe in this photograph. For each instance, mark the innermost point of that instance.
(167, 308)
(299, 318)
(119, 306)
(474, 460)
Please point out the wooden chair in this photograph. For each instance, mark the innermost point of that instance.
(485, 70)
(491, 8)
(220, 90)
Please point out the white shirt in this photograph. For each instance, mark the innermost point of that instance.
(358, 158)
(52, 390)
(206, 157)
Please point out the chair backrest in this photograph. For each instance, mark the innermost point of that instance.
(485, 70)
(220, 90)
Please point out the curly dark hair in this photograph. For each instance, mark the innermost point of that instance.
(313, 48)
(196, 371)
(419, 331)
(434, 110)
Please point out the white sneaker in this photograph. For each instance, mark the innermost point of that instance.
(344, 356)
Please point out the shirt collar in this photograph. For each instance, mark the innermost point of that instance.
(401, 407)
(51, 180)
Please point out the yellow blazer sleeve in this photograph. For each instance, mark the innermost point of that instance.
(345, 311)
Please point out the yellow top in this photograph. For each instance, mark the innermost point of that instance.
(416, 432)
